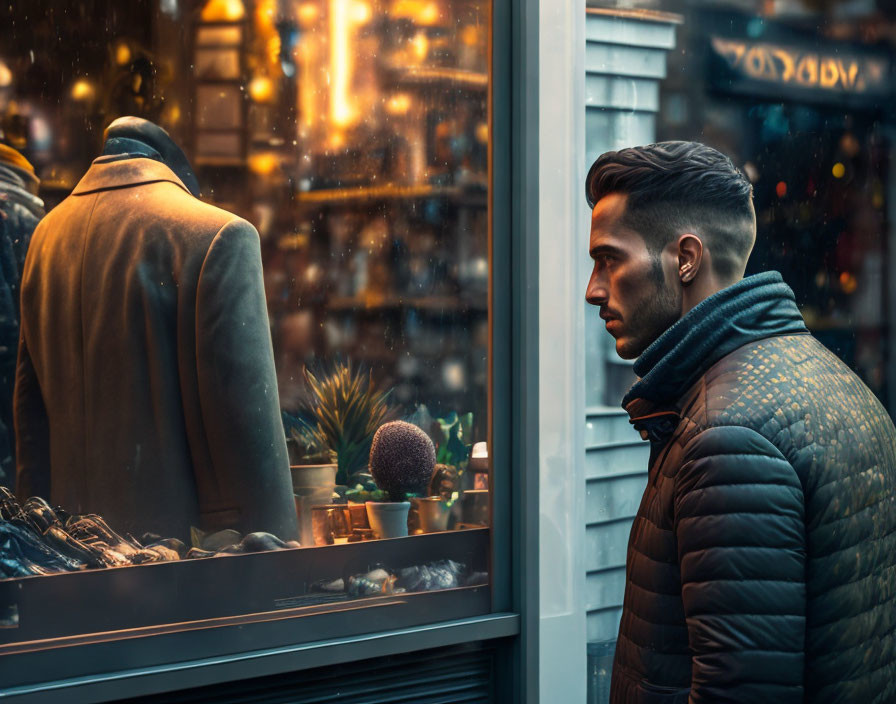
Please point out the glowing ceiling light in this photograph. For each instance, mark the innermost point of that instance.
(420, 45)
(265, 14)
(345, 17)
(839, 170)
(223, 11)
(263, 164)
(5, 75)
(122, 54)
(361, 12)
(261, 89)
(398, 104)
(425, 12)
(83, 90)
(308, 13)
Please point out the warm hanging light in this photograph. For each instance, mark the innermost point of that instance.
(5, 75)
(345, 17)
(263, 163)
(223, 11)
(424, 12)
(398, 104)
(122, 53)
(839, 170)
(261, 89)
(308, 13)
(420, 44)
(83, 90)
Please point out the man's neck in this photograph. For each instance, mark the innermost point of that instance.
(701, 288)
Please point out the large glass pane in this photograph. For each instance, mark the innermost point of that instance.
(354, 136)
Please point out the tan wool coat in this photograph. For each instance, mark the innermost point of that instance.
(145, 387)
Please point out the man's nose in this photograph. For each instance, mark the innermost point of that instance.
(596, 294)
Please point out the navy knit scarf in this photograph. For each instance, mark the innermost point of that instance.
(754, 308)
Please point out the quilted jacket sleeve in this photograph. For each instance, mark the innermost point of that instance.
(741, 541)
(238, 386)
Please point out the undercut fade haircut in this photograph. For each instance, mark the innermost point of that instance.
(674, 188)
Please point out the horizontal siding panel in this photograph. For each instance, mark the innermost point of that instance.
(604, 624)
(605, 545)
(622, 93)
(623, 30)
(616, 460)
(609, 426)
(614, 129)
(604, 589)
(613, 499)
(616, 60)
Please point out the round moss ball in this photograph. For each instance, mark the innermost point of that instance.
(402, 458)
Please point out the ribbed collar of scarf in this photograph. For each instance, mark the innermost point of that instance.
(754, 308)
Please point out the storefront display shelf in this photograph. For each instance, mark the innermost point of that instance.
(437, 77)
(435, 304)
(233, 590)
(368, 194)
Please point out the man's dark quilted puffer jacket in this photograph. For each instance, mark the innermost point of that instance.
(762, 562)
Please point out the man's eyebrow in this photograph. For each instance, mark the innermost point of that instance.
(604, 249)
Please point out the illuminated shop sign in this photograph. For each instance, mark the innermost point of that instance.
(764, 68)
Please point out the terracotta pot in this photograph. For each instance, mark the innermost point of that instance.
(359, 516)
(433, 512)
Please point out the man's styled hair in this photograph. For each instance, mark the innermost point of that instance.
(679, 187)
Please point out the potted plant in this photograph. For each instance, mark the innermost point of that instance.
(451, 436)
(362, 489)
(313, 469)
(402, 460)
(345, 410)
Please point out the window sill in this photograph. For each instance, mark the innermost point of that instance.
(258, 663)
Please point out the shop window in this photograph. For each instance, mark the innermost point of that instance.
(354, 136)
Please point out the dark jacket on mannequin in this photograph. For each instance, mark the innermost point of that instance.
(20, 211)
(145, 386)
(762, 561)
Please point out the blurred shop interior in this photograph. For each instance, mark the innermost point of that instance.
(799, 94)
(352, 133)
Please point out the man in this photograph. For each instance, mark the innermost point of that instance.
(145, 388)
(762, 562)
(20, 211)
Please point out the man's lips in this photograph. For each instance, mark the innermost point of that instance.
(611, 321)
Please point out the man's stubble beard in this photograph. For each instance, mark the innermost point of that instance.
(659, 310)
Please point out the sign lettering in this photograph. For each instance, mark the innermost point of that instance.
(791, 66)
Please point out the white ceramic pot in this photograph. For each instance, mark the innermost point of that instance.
(388, 519)
(312, 485)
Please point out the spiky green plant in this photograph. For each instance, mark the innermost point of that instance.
(347, 409)
(309, 448)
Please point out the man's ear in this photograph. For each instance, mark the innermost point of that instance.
(690, 257)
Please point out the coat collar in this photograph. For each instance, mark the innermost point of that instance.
(109, 172)
(755, 308)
